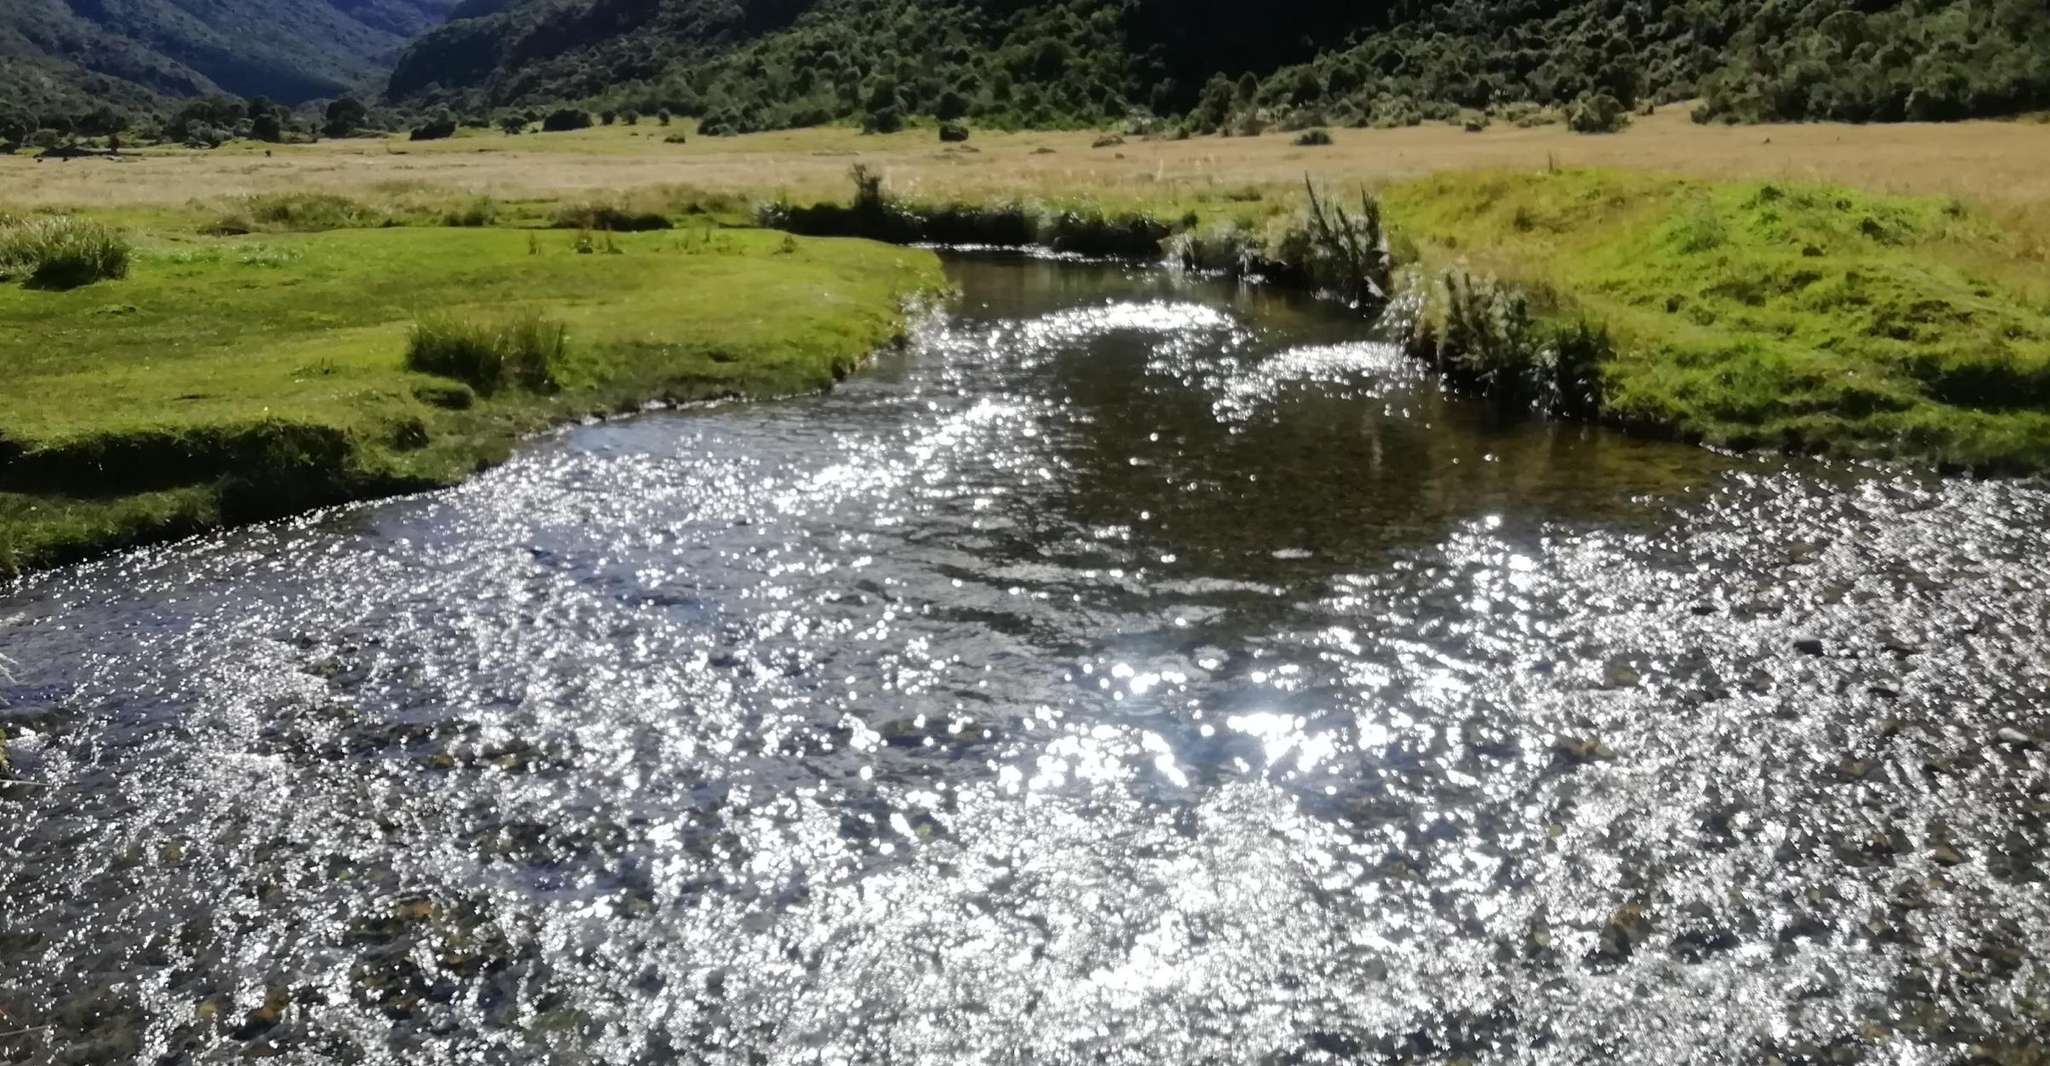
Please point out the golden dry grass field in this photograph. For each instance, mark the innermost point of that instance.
(2003, 166)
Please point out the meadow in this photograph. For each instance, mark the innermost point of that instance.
(296, 325)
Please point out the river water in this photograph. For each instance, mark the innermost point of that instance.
(1132, 670)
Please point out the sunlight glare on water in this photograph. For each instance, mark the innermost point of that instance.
(1134, 670)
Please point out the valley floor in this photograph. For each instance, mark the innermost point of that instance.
(2004, 164)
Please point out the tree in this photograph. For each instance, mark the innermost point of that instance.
(345, 116)
(513, 124)
(1214, 108)
(564, 119)
(885, 108)
(15, 128)
(102, 121)
(439, 128)
(266, 120)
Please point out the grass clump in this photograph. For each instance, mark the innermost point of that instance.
(522, 351)
(610, 218)
(60, 251)
(1323, 248)
(295, 212)
(1483, 339)
(474, 212)
(877, 215)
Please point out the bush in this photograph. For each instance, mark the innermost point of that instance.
(1600, 113)
(513, 125)
(1315, 138)
(438, 130)
(523, 351)
(953, 132)
(60, 251)
(883, 120)
(566, 119)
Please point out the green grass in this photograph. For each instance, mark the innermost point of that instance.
(1777, 315)
(230, 379)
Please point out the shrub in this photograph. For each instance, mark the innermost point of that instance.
(953, 132)
(631, 118)
(1600, 113)
(883, 120)
(562, 120)
(676, 138)
(438, 130)
(523, 351)
(513, 125)
(606, 217)
(1313, 138)
(60, 251)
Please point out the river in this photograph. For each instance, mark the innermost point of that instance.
(1133, 669)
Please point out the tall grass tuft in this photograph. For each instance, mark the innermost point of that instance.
(610, 218)
(523, 351)
(60, 251)
(474, 212)
(295, 212)
(1484, 340)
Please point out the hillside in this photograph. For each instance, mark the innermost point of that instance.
(67, 55)
(759, 64)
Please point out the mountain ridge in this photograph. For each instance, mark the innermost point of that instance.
(56, 54)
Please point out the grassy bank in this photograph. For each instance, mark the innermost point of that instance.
(227, 379)
(1761, 314)
(1739, 314)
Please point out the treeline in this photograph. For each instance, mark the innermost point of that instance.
(208, 122)
(1213, 66)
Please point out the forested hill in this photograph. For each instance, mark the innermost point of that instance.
(66, 55)
(756, 64)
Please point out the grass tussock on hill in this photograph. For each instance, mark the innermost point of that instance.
(1754, 314)
(230, 379)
